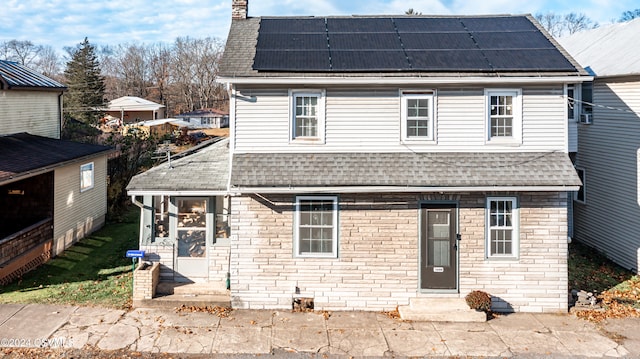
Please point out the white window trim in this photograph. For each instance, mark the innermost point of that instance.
(515, 224)
(417, 94)
(296, 222)
(577, 105)
(91, 167)
(516, 138)
(584, 186)
(320, 94)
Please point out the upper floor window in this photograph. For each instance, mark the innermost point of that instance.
(86, 177)
(502, 227)
(572, 111)
(417, 115)
(307, 115)
(504, 115)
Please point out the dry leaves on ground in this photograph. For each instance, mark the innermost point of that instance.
(220, 312)
(616, 303)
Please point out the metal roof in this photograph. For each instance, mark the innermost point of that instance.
(13, 75)
(609, 50)
(132, 103)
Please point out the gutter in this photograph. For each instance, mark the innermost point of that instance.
(401, 80)
(397, 189)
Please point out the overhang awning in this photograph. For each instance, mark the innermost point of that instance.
(402, 172)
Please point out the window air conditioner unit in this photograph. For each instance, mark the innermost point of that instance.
(585, 118)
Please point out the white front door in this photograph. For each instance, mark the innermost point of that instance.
(194, 221)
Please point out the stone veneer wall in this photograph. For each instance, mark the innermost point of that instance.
(145, 281)
(377, 264)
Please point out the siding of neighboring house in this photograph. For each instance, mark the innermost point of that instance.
(369, 120)
(35, 112)
(377, 266)
(610, 155)
(76, 213)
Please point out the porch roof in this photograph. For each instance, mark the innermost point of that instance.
(204, 171)
(25, 155)
(403, 171)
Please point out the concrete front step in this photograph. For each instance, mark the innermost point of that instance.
(176, 300)
(190, 288)
(440, 310)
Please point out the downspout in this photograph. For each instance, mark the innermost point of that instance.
(232, 125)
(60, 114)
(141, 205)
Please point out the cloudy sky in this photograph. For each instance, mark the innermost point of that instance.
(61, 23)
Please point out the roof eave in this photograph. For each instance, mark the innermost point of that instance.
(379, 80)
(403, 189)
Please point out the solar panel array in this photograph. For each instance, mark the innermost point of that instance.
(377, 44)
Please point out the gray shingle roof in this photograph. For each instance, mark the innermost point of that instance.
(14, 75)
(240, 51)
(403, 169)
(23, 153)
(205, 170)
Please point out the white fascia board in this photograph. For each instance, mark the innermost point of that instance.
(400, 80)
(392, 189)
(141, 192)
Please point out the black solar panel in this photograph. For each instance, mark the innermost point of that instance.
(293, 60)
(366, 41)
(356, 25)
(377, 44)
(511, 40)
(448, 60)
(363, 61)
(418, 24)
(293, 41)
(520, 60)
(511, 23)
(438, 41)
(284, 25)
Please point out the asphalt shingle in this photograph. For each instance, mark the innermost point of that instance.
(403, 169)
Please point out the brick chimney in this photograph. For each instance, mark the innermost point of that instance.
(239, 9)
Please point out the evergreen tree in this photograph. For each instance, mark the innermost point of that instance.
(85, 95)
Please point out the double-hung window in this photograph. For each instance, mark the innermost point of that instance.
(316, 226)
(417, 115)
(504, 116)
(86, 177)
(307, 115)
(502, 227)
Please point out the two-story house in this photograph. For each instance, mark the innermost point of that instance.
(607, 207)
(381, 162)
(53, 192)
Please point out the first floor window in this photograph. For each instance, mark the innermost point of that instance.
(161, 216)
(502, 227)
(316, 226)
(86, 177)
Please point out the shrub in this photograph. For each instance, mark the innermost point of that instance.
(479, 300)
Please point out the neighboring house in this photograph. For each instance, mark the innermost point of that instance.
(377, 162)
(607, 208)
(53, 191)
(132, 109)
(205, 118)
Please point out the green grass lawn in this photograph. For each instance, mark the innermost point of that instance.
(94, 271)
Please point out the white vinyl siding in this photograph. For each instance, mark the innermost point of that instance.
(35, 112)
(368, 120)
(609, 155)
(77, 213)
